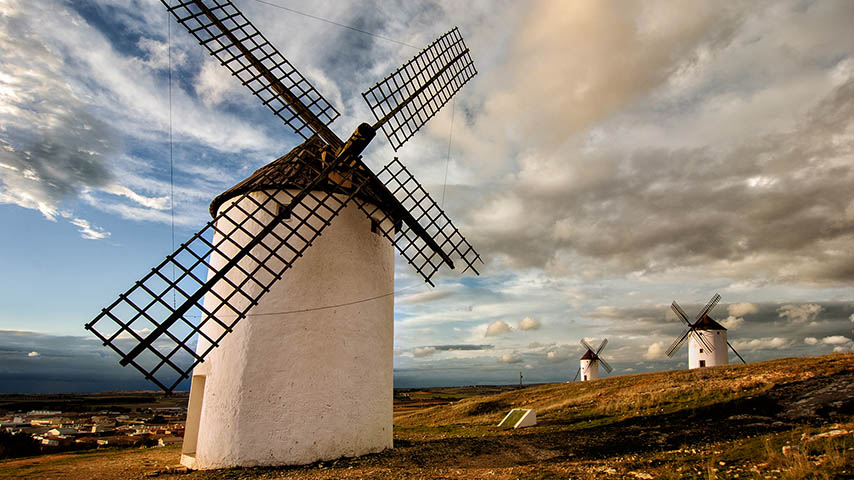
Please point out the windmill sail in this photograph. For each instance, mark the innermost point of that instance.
(678, 343)
(692, 327)
(679, 312)
(156, 335)
(228, 36)
(608, 367)
(593, 355)
(735, 352)
(586, 345)
(601, 346)
(414, 199)
(708, 308)
(423, 85)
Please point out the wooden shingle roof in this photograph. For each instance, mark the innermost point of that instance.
(295, 169)
(708, 323)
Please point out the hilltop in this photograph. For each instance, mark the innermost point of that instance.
(721, 422)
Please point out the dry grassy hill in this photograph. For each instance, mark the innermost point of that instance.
(642, 395)
(723, 422)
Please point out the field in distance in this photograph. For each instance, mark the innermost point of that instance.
(788, 418)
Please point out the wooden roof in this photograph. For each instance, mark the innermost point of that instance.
(295, 169)
(708, 323)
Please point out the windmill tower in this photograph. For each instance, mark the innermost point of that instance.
(287, 334)
(707, 339)
(589, 367)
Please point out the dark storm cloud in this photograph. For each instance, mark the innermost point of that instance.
(779, 206)
(60, 160)
(430, 350)
(39, 363)
(448, 348)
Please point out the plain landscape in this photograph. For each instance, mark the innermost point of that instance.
(787, 418)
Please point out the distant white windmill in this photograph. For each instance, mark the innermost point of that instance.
(707, 342)
(589, 367)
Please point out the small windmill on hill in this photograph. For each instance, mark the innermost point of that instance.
(707, 342)
(589, 368)
(288, 334)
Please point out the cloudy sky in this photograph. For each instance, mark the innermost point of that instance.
(609, 158)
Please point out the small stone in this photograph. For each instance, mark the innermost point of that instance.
(642, 475)
(789, 450)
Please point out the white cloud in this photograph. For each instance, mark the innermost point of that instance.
(427, 296)
(33, 354)
(732, 323)
(835, 340)
(767, 343)
(422, 352)
(804, 313)
(851, 317)
(156, 54)
(89, 232)
(157, 203)
(497, 328)
(741, 309)
(655, 352)
(214, 83)
(560, 353)
(510, 358)
(529, 323)
(810, 340)
(125, 335)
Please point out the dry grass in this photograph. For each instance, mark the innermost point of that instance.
(668, 425)
(632, 395)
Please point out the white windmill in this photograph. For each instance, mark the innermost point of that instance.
(707, 339)
(589, 365)
(287, 334)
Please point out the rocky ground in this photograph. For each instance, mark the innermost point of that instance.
(789, 418)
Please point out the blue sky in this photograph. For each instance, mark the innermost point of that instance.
(608, 159)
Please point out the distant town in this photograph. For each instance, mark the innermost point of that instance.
(36, 424)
